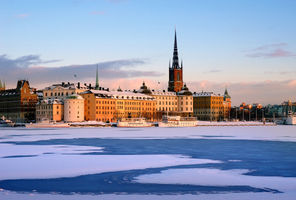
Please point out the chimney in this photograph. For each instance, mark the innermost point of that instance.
(89, 86)
(78, 85)
(63, 83)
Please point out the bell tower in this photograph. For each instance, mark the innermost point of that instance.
(175, 71)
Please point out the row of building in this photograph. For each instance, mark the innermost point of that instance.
(71, 102)
(76, 102)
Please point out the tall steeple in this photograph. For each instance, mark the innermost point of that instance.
(175, 70)
(97, 79)
(175, 55)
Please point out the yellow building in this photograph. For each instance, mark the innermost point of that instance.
(227, 105)
(105, 106)
(61, 91)
(98, 106)
(171, 103)
(50, 111)
(208, 106)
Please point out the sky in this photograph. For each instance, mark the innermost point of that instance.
(248, 46)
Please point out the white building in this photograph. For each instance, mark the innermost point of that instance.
(74, 108)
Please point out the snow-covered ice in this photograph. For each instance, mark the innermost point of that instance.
(54, 166)
(275, 133)
(217, 177)
(254, 161)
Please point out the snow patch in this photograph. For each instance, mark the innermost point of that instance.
(217, 177)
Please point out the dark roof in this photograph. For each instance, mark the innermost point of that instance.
(144, 89)
(185, 91)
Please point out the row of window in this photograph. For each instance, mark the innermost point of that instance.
(58, 94)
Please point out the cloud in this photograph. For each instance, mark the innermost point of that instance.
(280, 72)
(97, 13)
(265, 92)
(30, 67)
(116, 1)
(24, 15)
(271, 51)
(213, 71)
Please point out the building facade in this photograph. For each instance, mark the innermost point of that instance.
(208, 106)
(226, 105)
(50, 111)
(18, 104)
(74, 108)
(63, 90)
(111, 106)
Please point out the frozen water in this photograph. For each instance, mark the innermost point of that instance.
(217, 177)
(148, 163)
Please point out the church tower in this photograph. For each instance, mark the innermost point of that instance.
(175, 71)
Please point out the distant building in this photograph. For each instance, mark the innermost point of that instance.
(226, 105)
(175, 71)
(171, 103)
(101, 105)
(50, 110)
(63, 90)
(18, 104)
(74, 108)
(208, 106)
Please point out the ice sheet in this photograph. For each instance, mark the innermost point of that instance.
(277, 133)
(217, 177)
(229, 196)
(54, 166)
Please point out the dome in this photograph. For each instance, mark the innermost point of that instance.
(144, 89)
(75, 96)
(185, 91)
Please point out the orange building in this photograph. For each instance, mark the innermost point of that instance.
(105, 106)
(226, 105)
(49, 111)
(18, 104)
(98, 106)
(208, 106)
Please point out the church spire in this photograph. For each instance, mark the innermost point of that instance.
(175, 55)
(97, 79)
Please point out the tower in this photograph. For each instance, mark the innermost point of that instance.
(175, 71)
(97, 79)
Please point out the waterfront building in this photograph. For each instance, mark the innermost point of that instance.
(50, 110)
(208, 106)
(171, 103)
(99, 106)
(110, 106)
(74, 108)
(226, 105)
(18, 104)
(175, 71)
(63, 90)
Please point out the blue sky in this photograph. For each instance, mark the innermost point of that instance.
(222, 43)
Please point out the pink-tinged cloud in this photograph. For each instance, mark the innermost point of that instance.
(24, 15)
(98, 13)
(271, 51)
(265, 92)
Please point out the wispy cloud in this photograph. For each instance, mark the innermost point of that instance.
(116, 1)
(30, 67)
(213, 71)
(23, 15)
(97, 13)
(276, 50)
(265, 92)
